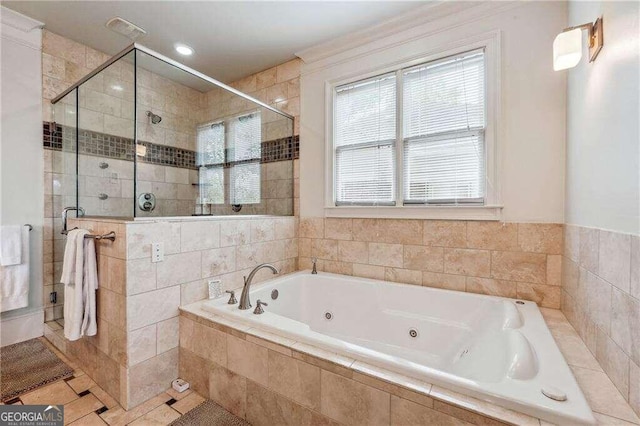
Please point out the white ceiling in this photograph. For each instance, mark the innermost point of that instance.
(231, 39)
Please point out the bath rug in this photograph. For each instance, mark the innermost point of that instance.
(27, 365)
(209, 413)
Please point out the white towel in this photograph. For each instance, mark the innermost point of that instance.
(89, 287)
(80, 277)
(11, 245)
(69, 260)
(14, 279)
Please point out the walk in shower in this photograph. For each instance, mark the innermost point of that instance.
(145, 136)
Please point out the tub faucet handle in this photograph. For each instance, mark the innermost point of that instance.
(258, 310)
(314, 260)
(232, 298)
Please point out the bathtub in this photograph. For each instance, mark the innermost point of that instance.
(495, 349)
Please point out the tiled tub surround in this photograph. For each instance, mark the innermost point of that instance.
(134, 357)
(601, 299)
(512, 260)
(268, 379)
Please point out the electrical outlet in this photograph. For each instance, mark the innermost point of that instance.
(157, 252)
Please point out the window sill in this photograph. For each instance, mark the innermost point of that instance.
(417, 212)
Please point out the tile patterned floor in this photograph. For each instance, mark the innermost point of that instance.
(86, 404)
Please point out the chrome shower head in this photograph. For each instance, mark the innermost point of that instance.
(155, 118)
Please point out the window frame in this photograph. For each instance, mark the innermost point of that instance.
(491, 208)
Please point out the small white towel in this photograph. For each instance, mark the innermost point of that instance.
(11, 245)
(14, 279)
(69, 260)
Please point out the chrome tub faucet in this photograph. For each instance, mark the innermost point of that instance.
(245, 303)
(314, 260)
(258, 310)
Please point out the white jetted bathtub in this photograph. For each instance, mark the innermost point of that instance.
(496, 349)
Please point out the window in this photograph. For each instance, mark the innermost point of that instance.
(230, 150)
(210, 162)
(365, 138)
(245, 154)
(441, 132)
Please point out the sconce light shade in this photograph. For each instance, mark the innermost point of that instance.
(141, 150)
(567, 49)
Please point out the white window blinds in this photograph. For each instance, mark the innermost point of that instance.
(210, 159)
(443, 131)
(364, 135)
(245, 151)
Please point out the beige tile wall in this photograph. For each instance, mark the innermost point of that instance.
(195, 252)
(502, 259)
(107, 110)
(601, 299)
(278, 87)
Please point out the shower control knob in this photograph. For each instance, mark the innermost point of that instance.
(147, 202)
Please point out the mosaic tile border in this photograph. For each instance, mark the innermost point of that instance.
(59, 137)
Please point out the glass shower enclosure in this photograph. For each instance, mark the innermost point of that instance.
(145, 136)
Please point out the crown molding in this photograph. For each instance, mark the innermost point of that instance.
(21, 29)
(434, 17)
(18, 20)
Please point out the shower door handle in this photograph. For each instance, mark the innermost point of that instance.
(65, 212)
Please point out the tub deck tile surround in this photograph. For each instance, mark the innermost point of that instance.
(347, 385)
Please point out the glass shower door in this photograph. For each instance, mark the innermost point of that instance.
(106, 151)
(91, 146)
(60, 186)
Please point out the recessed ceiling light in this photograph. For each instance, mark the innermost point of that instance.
(183, 49)
(117, 88)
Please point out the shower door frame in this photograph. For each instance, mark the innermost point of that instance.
(153, 53)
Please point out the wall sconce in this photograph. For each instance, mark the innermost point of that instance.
(567, 46)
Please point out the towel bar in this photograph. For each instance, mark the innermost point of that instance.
(111, 236)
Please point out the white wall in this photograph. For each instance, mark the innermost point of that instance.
(603, 116)
(531, 142)
(21, 156)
